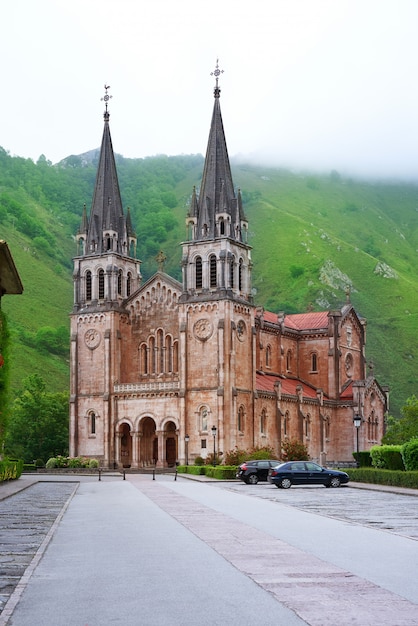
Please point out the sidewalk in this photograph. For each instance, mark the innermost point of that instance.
(140, 552)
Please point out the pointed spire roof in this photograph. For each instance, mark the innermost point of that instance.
(106, 216)
(216, 194)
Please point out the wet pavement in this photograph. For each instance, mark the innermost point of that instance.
(183, 551)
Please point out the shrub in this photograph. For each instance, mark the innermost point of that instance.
(10, 469)
(263, 452)
(384, 477)
(387, 457)
(199, 460)
(236, 456)
(51, 463)
(39, 463)
(294, 450)
(93, 463)
(409, 453)
(363, 458)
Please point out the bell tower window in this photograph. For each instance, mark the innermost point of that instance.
(212, 262)
(231, 272)
(101, 285)
(88, 285)
(240, 275)
(120, 283)
(129, 284)
(199, 282)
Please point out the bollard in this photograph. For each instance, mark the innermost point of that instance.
(175, 475)
(124, 478)
(100, 474)
(153, 474)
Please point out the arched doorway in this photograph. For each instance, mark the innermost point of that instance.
(125, 445)
(170, 444)
(149, 443)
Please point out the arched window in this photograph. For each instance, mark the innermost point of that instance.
(263, 422)
(169, 354)
(199, 273)
(92, 420)
(240, 274)
(101, 285)
(268, 356)
(212, 265)
(314, 362)
(175, 356)
(221, 226)
(108, 242)
(88, 285)
(289, 361)
(152, 355)
(160, 350)
(231, 271)
(241, 415)
(120, 283)
(143, 359)
(128, 284)
(286, 424)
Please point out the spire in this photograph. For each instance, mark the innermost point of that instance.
(108, 227)
(217, 202)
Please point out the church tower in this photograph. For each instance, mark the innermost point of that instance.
(106, 272)
(216, 311)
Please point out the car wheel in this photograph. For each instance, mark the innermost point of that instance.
(285, 483)
(253, 479)
(335, 482)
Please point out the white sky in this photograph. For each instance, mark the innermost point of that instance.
(320, 84)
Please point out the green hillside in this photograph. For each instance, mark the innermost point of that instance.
(313, 238)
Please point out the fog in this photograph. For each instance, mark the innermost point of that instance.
(309, 84)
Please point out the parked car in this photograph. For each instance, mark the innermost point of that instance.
(305, 473)
(253, 471)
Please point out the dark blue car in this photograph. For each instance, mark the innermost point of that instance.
(305, 473)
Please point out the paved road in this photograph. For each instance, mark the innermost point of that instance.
(392, 512)
(145, 552)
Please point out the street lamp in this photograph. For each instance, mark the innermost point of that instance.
(357, 424)
(186, 440)
(214, 444)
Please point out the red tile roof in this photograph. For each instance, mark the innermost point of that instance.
(300, 321)
(265, 382)
(348, 391)
(307, 321)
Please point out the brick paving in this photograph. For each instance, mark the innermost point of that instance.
(26, 519)
(320, 593)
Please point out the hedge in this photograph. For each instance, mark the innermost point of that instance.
(10, 469)
(393, 478)
(222, 472)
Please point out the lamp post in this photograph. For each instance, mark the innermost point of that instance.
(357, 424)
(186, 440)
(214, 444)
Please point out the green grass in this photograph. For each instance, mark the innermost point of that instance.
(298, 223)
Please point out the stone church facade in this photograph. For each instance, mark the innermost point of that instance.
(165, 371)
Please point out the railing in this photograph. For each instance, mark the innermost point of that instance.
(149, 386)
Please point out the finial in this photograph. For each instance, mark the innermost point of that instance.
(216, 73)
(348, 294)
(106, 99)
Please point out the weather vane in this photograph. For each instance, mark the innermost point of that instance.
(217, 73)
(106, 97)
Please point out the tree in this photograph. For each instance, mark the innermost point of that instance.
(405, 428)
(38, 427)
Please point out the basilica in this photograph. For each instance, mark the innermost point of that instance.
(164, 371)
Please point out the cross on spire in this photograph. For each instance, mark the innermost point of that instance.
(217, 72)
(106, 99)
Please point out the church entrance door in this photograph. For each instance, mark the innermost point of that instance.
(149, 447)
(126, 445)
